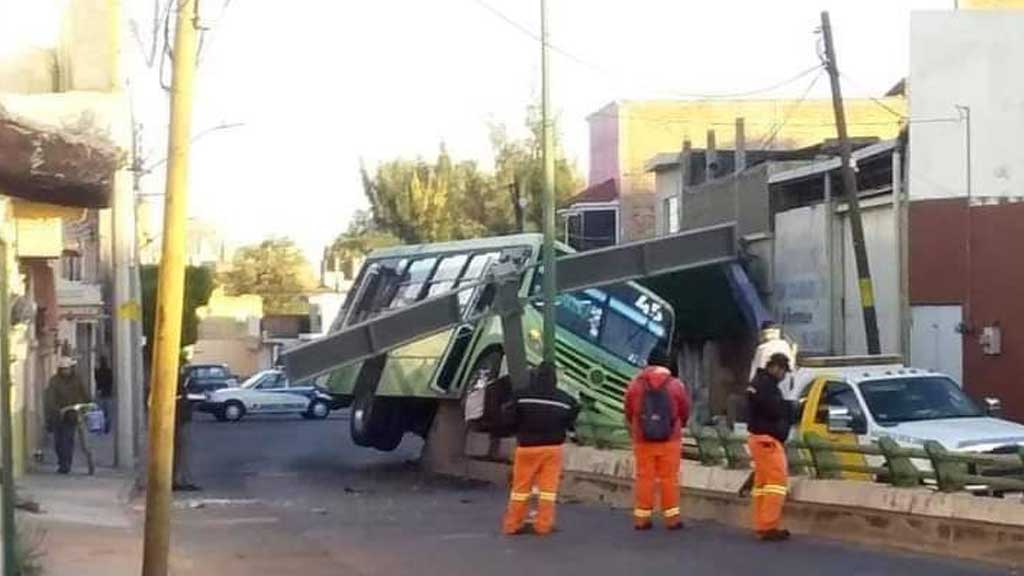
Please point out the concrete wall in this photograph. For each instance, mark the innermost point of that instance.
(964, 58)
(741, 198)
(802, 297)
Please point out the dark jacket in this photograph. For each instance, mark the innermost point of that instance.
(543, 414)
(656, 377)
(63, 391)
(104, 382)
(770, 413)
(183, 408)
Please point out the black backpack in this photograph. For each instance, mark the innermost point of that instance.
(656, 421)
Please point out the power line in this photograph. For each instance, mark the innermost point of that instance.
(880, 104)
(600, 70)
(771, 138)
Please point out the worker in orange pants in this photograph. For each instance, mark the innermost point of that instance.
(539, 466)
(657, 462)
(543, 414)
(656, 408)
(771, 481)
(769, 424)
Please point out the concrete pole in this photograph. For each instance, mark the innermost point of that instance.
(710, 157)
(741, 145)
(125, 315)
(550, 283)
(170, 300)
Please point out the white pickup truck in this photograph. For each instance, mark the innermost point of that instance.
(861, 399)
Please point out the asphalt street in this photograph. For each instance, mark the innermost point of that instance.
(287, 496)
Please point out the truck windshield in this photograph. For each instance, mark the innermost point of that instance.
(897, 400)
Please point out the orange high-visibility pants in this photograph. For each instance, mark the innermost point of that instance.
(539, 466)
(656, 461)
(771, 479)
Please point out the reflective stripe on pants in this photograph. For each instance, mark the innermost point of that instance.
(656, 462)
(539, 466)
(771, 478)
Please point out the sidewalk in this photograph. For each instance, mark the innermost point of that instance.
(84, 526)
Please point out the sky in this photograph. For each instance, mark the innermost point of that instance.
(319, 86)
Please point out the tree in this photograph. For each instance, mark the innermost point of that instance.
(275, 270)
(199, 284)
(361, 238)
(421, 202)
(520, 163)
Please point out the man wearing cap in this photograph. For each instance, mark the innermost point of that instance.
(769, 424)
(64, 390)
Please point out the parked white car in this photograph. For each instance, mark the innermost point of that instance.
(268, 392)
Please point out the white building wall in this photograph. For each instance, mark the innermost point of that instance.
(960, 58)
(883, 257)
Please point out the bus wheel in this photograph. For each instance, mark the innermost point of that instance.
(363, 419)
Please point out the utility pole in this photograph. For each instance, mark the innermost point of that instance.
(170, 299)
(860, 251)
(549, 192)
(6, 431)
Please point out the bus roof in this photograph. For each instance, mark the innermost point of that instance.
(405, 251)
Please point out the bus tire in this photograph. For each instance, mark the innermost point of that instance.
(362, 422)
(388, 440)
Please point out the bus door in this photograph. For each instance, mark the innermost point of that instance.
(464, 336)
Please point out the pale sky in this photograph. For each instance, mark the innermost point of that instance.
(320, 84)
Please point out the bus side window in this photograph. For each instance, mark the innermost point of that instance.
(410, 290)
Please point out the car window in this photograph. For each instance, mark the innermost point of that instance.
(209, 372)
(838, 395)
(896, 400)
(272, 381)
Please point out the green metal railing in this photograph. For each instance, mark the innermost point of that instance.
(885, 461)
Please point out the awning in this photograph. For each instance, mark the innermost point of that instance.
(56, 165)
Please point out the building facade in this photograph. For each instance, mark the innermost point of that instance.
(966, 191)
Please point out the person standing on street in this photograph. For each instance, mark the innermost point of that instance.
(543, 414)
(656, 408)
(64, 390)
(105, 391)
(769, 423)
(182, 441)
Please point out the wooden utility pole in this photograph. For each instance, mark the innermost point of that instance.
(170, 299)
(860, 250)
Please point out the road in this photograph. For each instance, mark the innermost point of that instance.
(287, 496)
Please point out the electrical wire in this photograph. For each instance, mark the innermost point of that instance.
(768, 140)
(600, 70)
(877, 101)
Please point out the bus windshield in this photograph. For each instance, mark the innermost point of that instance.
(620, 319)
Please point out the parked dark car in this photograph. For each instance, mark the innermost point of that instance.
(203, 378)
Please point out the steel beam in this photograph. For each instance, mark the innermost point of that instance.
(616, 264)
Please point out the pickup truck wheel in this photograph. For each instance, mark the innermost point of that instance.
(233, 411)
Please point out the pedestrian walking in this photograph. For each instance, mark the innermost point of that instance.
(543, 414)
(656, 407)
(105, 391)
(182, 481)
(63, 392)
(770, 419)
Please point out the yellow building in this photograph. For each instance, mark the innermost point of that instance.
(625, 135)
(991, 4)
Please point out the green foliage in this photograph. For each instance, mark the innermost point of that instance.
(199, 284)
(274, 269)
(419, 201)
(361, 238)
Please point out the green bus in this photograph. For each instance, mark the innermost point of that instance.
(603, 338)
